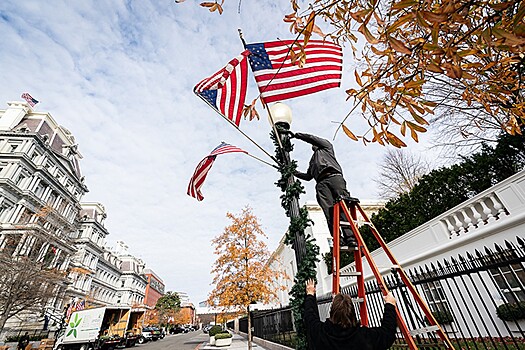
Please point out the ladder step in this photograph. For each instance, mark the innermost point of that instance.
(358, 300)
(350, 274)
(346, 248)
(424, 330)
(357, 222)
(432, 345)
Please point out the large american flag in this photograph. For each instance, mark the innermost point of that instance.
(225, 91)
(200, 173)
(32, 102)
(278, 79)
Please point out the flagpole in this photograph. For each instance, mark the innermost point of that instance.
(236, 127)
(263, 161)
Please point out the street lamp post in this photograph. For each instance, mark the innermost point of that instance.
(280, 116)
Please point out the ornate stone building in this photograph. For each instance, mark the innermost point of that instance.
(40, 188)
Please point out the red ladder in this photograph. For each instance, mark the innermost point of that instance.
(362, 249)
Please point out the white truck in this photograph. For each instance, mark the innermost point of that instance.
(102, 328)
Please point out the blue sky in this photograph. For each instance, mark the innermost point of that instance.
(119, 75)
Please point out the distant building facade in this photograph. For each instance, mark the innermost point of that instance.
(41, 216)
(132, 281)
(41, 186)
(154, 288)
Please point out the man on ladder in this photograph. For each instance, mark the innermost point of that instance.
(330, 185)
(340, 209)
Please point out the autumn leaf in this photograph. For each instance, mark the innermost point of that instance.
(434, 68)
(358, 78)
(369, 37)
(394, 140)
(434, 17)
(416, 127)
(414, 136)
(398, 46)
(349, 133)
(403, 4)
(307, 32)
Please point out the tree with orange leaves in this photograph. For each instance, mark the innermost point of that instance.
(242, 274)
(461, 59)
(456, 64)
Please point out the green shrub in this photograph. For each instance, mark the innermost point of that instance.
(223, 335)
(511, 311)
(215, 330)
(443, 316)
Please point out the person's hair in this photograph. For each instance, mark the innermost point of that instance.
(342, 311)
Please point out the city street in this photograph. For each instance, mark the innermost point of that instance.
(183, 341)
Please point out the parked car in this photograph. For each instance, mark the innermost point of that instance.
(160, 332)
(177, 330)
(149, 334)
(189, 328)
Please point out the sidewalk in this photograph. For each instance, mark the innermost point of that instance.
(238, 343)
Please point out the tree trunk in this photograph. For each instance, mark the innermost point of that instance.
(4, 317)
(249, 330)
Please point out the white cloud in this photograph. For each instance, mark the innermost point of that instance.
(119, 75)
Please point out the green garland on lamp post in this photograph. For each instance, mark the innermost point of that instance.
(306, 250)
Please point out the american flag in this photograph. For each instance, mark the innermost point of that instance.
(225, 91)
(81, 305)
(278, 79)
(32, 102)
(70, 309)
(200, 173)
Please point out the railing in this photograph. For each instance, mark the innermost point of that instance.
(12, 335)
(479, 212)
(465, 294)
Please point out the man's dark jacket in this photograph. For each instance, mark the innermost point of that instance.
(329, 336)
(323, 160)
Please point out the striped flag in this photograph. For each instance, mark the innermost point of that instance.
(81, 305)
(225, 91)
(32, 102)
(200, 173)
(278, 79)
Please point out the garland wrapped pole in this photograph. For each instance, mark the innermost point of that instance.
(306, 251)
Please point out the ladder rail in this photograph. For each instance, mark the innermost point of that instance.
(379, 278)
(424, 307)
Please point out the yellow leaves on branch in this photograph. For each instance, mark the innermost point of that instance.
(473, 51)
(242, 273)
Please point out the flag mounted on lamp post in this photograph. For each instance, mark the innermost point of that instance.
(32, 102)
(225, 91)
(200, 173)
(279, 79)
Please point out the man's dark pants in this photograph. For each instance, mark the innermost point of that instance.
(327, 191)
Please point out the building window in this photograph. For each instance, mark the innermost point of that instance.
(10, 243)
(510, 279)
(435, 296)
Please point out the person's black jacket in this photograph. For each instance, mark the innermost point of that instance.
(329, 336)
(323, 160)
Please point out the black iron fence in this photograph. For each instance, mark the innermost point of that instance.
(13, 335)
(478, 298)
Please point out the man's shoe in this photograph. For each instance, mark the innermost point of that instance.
(349, 241)
(351, 200)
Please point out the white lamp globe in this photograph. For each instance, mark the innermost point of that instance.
(280, 113)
